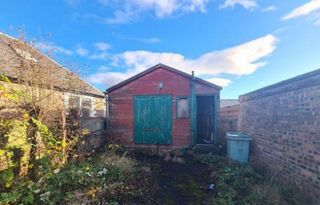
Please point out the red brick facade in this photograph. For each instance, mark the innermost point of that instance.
(121, 105)
(284, 122)
(228, 120)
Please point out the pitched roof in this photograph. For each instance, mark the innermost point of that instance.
(228, 102)
(12, 53)
(160, 65)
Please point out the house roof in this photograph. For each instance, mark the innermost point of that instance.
(228, 102)
(14, 51)
(160, 65)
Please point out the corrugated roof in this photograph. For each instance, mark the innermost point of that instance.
(160, 65)
(12, 51)
(228, 102)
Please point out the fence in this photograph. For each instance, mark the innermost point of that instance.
(94, 124)
(97, 137)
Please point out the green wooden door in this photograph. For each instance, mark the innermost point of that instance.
(152, 119)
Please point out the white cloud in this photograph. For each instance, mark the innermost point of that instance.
(149, 40)
(102, 46)
(239, 60)
(269, 9)
(247, 4)
(121, 17)
(104, 2)
(220, 81)
(304, 10)
(50, 47)
(317, 19)
(101, 56)
(108, 79)
(73, 3)
(82, 51)
(130, 10)
(104, 68)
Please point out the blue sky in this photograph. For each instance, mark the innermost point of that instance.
(240, 44)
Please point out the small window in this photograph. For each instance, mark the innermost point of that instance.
(74, 102)
(182, 107)
(86, 102)
(74, 106)
(86, 107)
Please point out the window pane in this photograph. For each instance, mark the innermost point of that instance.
(74, 106)
(74, 102)
(182, 108)
(86, 107)
(86, 112)
(86, 103)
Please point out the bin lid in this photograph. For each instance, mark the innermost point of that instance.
(237, 136)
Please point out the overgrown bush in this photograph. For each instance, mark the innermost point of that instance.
(241, 184)
(30, 153)
(103, 179)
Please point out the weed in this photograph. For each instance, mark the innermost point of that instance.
(105, 178)
(242, 184)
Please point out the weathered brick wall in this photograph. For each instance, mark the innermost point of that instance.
(284, 122)
(228, 120)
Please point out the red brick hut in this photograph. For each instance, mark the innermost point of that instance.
(165, 108)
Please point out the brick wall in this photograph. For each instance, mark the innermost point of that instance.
(284, 122)
(228, 120)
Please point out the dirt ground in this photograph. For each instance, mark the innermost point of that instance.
(182, 181)
(186, 180)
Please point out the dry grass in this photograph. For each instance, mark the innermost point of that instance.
(122, 162)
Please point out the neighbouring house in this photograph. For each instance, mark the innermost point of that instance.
(228, 116)
(51, 90)
(164, 108)
(22, 62)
